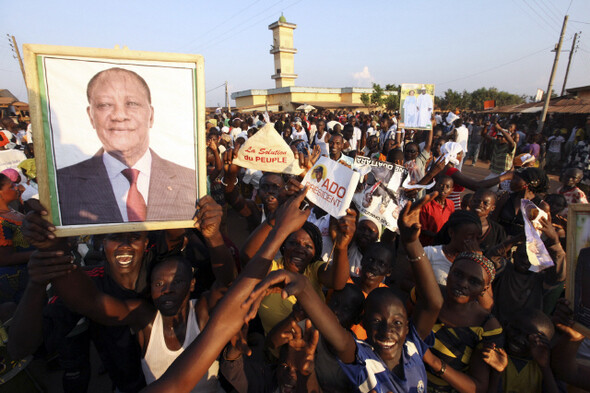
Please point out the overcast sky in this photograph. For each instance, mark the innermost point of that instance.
(461, 44)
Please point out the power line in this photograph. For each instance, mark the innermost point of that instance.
(219, 25)
(255, 23)
(215, 88)
(568, 7)
(543, 27)
(545, 9)
(231, 32)
(498, 66)
(579, 21)
(539, 15)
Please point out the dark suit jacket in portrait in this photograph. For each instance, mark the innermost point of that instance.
(86, 195)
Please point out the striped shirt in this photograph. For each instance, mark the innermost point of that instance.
(502, 156)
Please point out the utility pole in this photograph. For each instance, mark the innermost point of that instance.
(20, 61)
(227, 97)
(569, 61)
(550, 87)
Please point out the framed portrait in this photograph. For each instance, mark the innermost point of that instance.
(577, 285)
(416, 105)
(119, 137)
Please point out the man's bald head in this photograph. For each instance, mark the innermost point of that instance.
(106, 73)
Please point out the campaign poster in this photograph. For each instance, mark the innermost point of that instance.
(417, 105)
(331, 186)
(380, 196)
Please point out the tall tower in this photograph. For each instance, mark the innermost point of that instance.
(283, 51)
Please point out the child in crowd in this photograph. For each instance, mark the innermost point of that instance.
(437, 212)
(391, 358)
(483, 203)
(569, 189)
(525, 365)
(376, 266)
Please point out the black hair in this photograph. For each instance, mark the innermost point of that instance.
(535, 178)
(395, 155)
(4, 180)
(456, 221)
(180, 260)
(556, 201)
(316, 237)
(385, 268)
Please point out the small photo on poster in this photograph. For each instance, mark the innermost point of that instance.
(417, 105)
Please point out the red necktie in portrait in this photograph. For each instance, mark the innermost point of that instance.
(136, 207)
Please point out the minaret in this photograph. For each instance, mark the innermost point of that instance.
(283, 51)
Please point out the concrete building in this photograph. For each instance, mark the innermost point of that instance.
(286, 96)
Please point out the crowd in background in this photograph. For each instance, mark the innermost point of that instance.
(448, 303)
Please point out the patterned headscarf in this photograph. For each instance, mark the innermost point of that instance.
(484, 262)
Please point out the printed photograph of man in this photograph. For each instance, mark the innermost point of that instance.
(417, 105)
(425, 106)
(125, 180)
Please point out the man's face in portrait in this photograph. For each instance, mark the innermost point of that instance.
(121, 113)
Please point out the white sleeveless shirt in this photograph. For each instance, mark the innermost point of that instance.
(158, 357)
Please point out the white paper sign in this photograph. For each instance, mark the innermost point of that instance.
(331, 186)
(535, 248)
(381, 197)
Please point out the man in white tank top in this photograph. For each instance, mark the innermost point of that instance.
(166, 326)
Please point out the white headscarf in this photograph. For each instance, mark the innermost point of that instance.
(450, 151)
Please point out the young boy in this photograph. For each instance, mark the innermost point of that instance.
(391, 358)
(376, 265)
(525, 366)
(570, 179)
(435, 213)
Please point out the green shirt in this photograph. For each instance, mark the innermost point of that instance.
(502, 157)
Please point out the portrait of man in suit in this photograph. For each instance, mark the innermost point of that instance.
(125, 181)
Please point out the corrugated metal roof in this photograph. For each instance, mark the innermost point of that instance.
(566, 104)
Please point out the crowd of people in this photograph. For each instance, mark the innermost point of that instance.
(309, 303)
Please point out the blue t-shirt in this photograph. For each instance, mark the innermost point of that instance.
(369, 372)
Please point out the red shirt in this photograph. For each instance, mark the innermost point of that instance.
(432, 218)
(457, 189)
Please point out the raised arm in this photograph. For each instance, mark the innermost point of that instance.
(429, 299)
(321, 316)
(207, 220)
(229, 314)
(506, 135)
(245, 208)
(26, 330)
(336, 275)
(474, 185)
(428, 142)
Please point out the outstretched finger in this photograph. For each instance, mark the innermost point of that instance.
(429, 197)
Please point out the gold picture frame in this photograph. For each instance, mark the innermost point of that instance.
(51, 109)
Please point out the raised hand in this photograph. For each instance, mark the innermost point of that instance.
(283, 281)
(238, 345)
(540, 350)
(495, 357)
(301, 348)
(409, 219)
(36, 229)
(208, 216)
(231, 170)
(342, 230)
(45, 266)
(563, 318)
(289, 217)
(547, 229)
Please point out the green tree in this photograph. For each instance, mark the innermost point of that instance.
(377, 95)
(366, 99)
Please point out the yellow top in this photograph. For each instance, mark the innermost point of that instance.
(274, 308)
